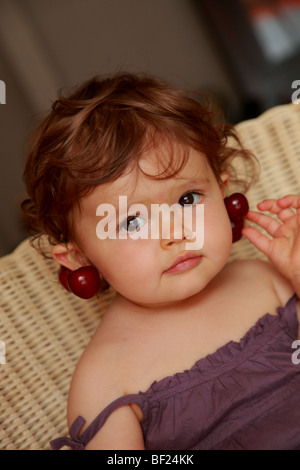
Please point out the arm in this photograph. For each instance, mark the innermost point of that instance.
(95, 385)
(283, 246)
(122, 431)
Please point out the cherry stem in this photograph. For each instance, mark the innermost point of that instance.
(72, 259)
(224, 186)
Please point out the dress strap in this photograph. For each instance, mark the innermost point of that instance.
(289, 313)
(77, 442)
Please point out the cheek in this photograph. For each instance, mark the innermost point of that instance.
(217, 229)
(129, 263)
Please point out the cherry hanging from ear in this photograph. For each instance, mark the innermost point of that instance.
(237, 207)
(84, 282)
(236, 227)
(63, 275)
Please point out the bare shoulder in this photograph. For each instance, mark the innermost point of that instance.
(95, 383)
(98, 380)
(264, 272)
(251, 267)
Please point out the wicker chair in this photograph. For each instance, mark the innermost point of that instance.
(44, 328)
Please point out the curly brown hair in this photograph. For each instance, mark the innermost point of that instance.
(97, 132)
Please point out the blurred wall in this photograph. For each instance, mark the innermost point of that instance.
(46, 45)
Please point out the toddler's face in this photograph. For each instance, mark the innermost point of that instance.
(139, 261)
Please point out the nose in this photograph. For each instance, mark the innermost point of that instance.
(174, 231)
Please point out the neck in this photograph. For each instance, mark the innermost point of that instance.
(159, 310)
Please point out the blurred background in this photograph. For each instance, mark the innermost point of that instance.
(244, 52)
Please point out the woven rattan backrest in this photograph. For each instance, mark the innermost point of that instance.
(45, 329)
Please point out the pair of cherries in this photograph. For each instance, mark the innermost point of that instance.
(237, 207)
(84, 282)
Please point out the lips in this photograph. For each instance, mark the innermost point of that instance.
(184, 262)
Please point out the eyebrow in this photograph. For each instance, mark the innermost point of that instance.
(195, 181)
(186, 182)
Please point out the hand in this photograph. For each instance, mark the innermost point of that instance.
(283, 248)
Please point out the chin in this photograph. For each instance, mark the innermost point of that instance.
(188, 288)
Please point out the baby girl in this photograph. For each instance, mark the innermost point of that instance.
(193, 352)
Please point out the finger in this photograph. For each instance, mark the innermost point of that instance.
(286, 214)
(280, 207)
(264, 221)
(290, 200)
(273, 205)
(260, 241)
(270, 205)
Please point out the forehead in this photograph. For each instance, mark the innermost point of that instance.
(152, 167)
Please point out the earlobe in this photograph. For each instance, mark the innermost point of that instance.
(68, 256)
(60, 254)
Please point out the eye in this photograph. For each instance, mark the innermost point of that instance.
(131, 224)
(190, 198)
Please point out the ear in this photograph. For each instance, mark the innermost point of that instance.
(224, 183)
(70, 257)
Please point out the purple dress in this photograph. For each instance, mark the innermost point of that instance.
(244, 396)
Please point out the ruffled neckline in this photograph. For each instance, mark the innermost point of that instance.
(225, 358)
(228, 355)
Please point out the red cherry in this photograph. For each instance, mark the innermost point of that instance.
(63, 277)
(237, 206)
(84, 282)
(236, 227)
